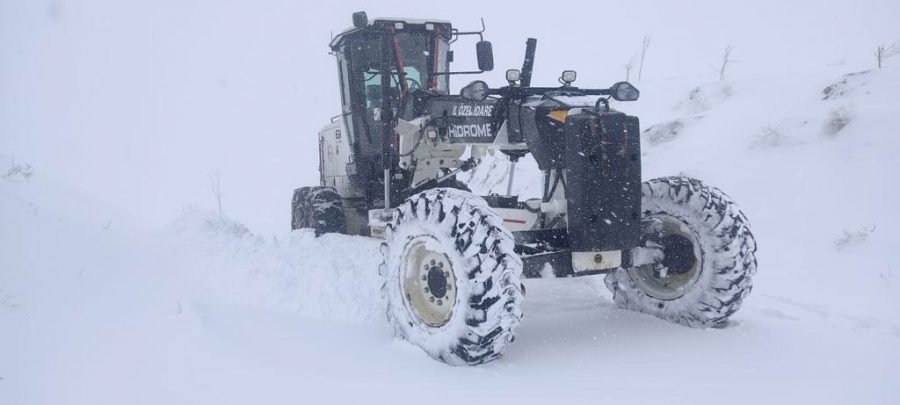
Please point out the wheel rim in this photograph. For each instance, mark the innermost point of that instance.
(428, 283)
(682, 262)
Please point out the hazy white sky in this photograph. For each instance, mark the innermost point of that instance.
(136, 102)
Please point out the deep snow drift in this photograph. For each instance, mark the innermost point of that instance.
(95, 309)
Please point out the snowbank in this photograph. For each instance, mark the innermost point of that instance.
(332, 277)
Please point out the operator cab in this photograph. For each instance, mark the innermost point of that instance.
(414, 54)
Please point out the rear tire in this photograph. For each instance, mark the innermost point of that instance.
(709, 256)
(319, 208)
(451, 277)
(298, 210)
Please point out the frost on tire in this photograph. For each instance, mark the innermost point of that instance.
(451, 277)
(709, 255)
(319, 208)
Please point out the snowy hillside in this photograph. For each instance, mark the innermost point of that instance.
(205, 310)
(120, 285)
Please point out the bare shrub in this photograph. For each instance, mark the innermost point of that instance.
(726, 62)
(887, 275)
(883, 52)
(702, 98)
(663, 132)
(853, 238)
(837, 120)
(771, 136)
(629, 66)
(215, 187)
(644, 46)
(18, 171)
(8, 301)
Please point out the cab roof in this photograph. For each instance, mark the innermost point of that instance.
(382, 21)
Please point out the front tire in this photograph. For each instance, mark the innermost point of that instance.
(451, 277)
(708, 256)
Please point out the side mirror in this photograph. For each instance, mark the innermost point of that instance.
(485, 53)
(476, 91)
(360, 20)
(624, 91)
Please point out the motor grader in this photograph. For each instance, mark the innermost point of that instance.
(453, 262)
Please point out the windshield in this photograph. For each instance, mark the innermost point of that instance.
(416, 55)
(359, 63)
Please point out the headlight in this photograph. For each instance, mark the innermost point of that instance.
(568, 76)
(513, 75)
(477, 90)
(624, 91)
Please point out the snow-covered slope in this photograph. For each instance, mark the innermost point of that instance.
(205, 310)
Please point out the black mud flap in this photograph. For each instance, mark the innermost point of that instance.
(603, 181)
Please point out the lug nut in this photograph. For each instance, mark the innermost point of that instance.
(440, 302)
(426, 289)
(424, 277)
(431, 299)
(441, 264)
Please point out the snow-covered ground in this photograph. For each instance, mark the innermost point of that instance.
(100, 304)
